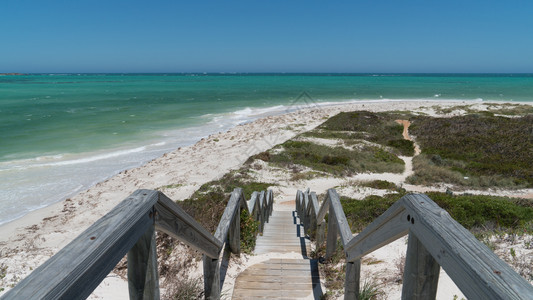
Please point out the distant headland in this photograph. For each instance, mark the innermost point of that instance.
(5, 74)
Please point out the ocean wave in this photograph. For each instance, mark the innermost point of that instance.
(56, 159)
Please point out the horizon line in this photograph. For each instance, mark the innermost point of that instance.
(284, 73)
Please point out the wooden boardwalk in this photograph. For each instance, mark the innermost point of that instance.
(281, 278)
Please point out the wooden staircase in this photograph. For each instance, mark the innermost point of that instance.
(281, 278)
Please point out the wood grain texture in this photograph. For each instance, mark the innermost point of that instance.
(387, 228)
(77, 269)
(270, 204)
(421, 274)
(211, 278)
(323, 210)
(312, 210)
(352, 279)
(174, 221)
(143, 278)
(331, 242)
(342, 224)
(474, 268)
(230, 212)
(252, 204)
(306, 218)
(264, 208)
(314, 203)
(235, 235)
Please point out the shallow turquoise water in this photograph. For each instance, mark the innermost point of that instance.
(63, 132)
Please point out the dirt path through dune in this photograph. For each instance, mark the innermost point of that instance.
(406, 136)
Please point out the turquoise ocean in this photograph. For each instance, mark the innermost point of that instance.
(62, 133)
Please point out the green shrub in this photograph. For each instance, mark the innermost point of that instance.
(337, 161)
(206, 208)
(405, 147)
(249, 228)
(470, 211)
(488, 147)
(380, 128)
(478, 210)
(380, 184)
(360, 213)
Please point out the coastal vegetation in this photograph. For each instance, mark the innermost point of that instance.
(207, 204)
(379, 128)
(337, 161)
(471, 211)
(366, 142)
(479, 150)
(475, 150)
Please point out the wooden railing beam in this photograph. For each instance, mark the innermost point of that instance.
(174, 221)
(77, 269)
(340, 218)
(475, 269)
(388, 227)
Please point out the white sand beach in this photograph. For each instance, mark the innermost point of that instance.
(29, 241)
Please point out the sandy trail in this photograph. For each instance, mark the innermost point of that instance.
(28, 242)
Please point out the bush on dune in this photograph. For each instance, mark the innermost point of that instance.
(496, 150)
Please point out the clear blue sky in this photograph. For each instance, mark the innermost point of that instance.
(266, 36)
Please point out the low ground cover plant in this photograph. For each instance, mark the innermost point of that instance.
(479, 150)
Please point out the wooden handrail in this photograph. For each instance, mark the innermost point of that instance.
(129, 228)
(435, 240)
(174, 221)
(77, 269)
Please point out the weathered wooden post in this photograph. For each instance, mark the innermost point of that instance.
(313, 211)
(211, 278)
(260, 208)
(307, 215)
(235, 233)
(264, 208)
(331, 244)
(421, 274)
(143, 281)
(351, 282)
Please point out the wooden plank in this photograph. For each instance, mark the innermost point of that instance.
(323, 210)
(276, 272)
(270, 204)
(297, 201)
(235, 234)
(421, 274)
(211, 278)
(143, 279)
(272, 278)
(252, 204)
(387, 228)
(352, 279)
(474, 268)
(264, 208)
(342, 224)
(320, 233)
(331, 244)
(312, 213)
(77, 269)
(174, 221)
(229, 213)
(314, 203)
(305, 212)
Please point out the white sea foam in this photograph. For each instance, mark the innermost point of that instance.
(30, 184)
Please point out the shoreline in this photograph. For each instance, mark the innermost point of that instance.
(30, 240)
(102, 164)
